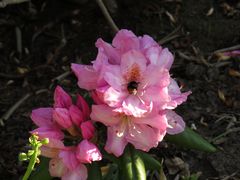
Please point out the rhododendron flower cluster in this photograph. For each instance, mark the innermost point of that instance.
(133, 91)
(69, 130)
(134, 97)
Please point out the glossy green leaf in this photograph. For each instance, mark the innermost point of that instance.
(132, 167)
(94, 171)
(41, 172)
(149, 161)
(192, 140)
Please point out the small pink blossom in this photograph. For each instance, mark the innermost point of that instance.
(131, 75)
(75, 119)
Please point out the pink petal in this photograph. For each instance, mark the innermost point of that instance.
(62, 117)
(116, 141)
(113, 97)
(113, 77)
(155, 120)
(132, 105)
(133, 65)
(55, 143)
(125, 40)
(104, 114)
(87, 76)
(61, 98)
(155, 76)
(69, 158)
(52, 149)
(42, 117)
(97, 97)
(87, 130)
(177, 97)
(49, 152)
(175, 123)
(48, 132)
(83, 106)
(88, 152)
(57, 167)
(112, 54)
(143, 137)
(79, 173)
(234, 53)
(146, 42)
(158, 96)
(76, 115)
(162, 58)
(101, 60)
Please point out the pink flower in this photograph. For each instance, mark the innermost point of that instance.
(131, 75)
(67, 161)
(144, 133)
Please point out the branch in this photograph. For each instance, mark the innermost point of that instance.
(4, 3)
(107, 16)
(7, 115)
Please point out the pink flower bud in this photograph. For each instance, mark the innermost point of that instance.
(87, 130)
(61, 98)
(76, 115)
(83, 106)
(62, 117)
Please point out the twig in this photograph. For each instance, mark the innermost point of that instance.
(227, 49)
(19, 40)
(107, 16)
(200, 60)
(226, 133)
(170, 36)
(167, 39)
(59, 78)
(7, 115)
(4, 3)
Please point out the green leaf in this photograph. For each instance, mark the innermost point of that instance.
(132, 167)
(94, 171)
(149, 161)
(190, 139)
(41, 171)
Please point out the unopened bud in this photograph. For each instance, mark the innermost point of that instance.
(22, 157)
(45, 141)
(30, 152)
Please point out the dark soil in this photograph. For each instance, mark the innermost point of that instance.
(57, 33)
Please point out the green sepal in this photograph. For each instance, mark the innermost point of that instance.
(41, 172)
(192, 140)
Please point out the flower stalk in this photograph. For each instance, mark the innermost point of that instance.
(32, 154)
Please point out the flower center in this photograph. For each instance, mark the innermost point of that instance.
(132, 87)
